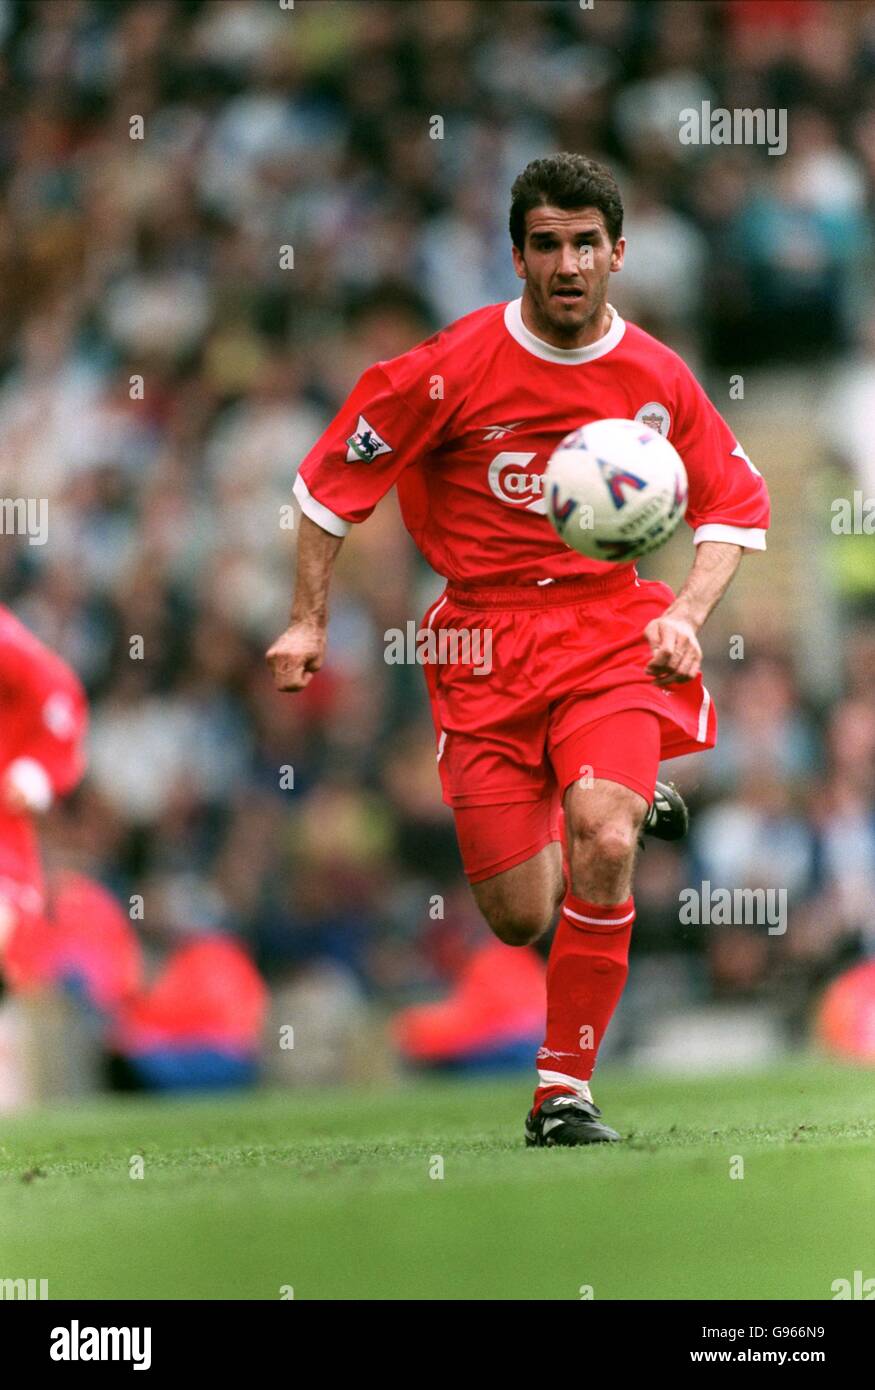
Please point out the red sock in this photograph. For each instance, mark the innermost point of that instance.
(586, 973)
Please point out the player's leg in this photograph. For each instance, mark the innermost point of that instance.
(603, 824)
(506, 806)
(521, 903)
(513, 861)
(24, 934)
(606, 802)
(22, 901)
(603, 820)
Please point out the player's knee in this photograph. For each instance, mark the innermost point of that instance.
(516, 926)
(609, 842)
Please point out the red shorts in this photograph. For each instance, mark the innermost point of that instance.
(520, 678)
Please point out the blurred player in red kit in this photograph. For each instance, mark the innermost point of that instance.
(43, 718)
(593, 671)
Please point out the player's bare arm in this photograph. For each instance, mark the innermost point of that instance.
(677, 656)
(300, 651)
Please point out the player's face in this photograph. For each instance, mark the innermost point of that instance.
(566, 263)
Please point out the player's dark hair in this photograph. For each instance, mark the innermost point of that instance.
(566, 181)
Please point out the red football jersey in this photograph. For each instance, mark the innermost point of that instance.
(465, 423)
(43, 710)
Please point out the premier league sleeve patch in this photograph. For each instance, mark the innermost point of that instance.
(365, 445)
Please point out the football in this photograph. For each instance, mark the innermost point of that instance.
(615, 490)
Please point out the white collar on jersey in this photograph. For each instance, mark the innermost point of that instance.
(513, 322)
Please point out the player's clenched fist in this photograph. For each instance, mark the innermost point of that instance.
(296, 655)
(677, 656)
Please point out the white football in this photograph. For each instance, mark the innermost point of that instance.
(615, 490)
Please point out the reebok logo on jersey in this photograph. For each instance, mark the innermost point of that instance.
(499, 431)
(365, 444)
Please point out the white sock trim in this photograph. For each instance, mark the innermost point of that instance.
(600, 921)
(558, 1078)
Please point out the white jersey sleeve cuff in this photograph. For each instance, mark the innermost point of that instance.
(323, 516)
(751, 537)
(33, 782)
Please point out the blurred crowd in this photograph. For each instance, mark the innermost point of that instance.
(214, 216)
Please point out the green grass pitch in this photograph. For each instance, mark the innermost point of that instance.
(331, 1194)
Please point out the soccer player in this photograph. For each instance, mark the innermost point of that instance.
(43, 717)
(595, 674)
